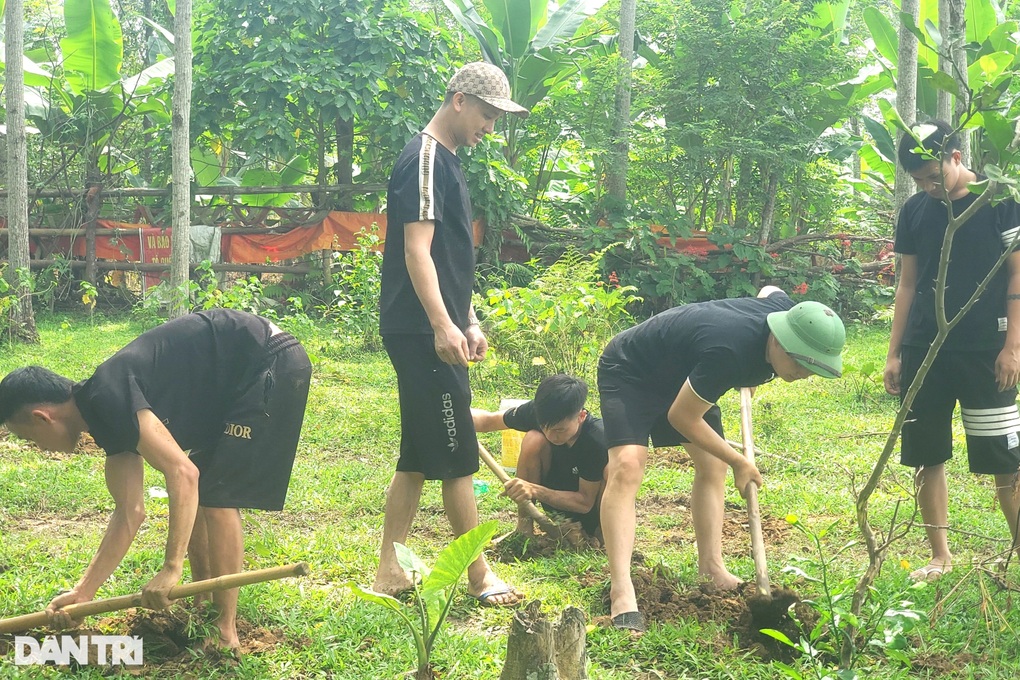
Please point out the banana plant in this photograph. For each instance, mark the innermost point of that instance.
(433, 589)
(86, 91)
(535, 42)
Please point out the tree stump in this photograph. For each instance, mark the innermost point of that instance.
(539, 649)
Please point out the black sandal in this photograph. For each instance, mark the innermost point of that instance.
(634, 621)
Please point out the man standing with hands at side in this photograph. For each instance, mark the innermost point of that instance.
(428, 324)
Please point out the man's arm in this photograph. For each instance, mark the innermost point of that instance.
(1007, 365)
(451, 344)
(581, 500)
(687, 416)
(488, 421)
(158, 447)
(124, 476)
(905, 291)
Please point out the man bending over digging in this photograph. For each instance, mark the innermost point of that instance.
(563, 455)
(662, 379)
(214, 401)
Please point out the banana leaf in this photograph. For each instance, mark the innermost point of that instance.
(94, 47)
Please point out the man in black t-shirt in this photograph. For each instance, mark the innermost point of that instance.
(662, 378)
(979, 364)
(563, 456)
(428, 326)
(214, 401)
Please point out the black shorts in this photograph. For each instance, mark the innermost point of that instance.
(437, 435)
(249, 465)
(632, 413)
(990, 418)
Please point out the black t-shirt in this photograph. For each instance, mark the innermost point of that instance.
(186, 371)
(977, 245)
(586, 458)
(427, 184)
(718, 345)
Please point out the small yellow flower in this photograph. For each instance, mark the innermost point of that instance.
(538, 361)
(792, 518)
(904, 565)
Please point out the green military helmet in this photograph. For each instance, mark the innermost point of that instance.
(813, 335)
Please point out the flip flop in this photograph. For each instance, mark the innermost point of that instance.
(634, 621)
(931, 572)
(485, 598)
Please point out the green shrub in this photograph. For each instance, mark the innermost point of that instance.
(354, 306)
(559, 323)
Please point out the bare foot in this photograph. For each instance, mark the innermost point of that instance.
(218, 646)
(393, 584)
(723, 580)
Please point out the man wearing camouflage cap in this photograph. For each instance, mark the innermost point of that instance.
(427, 322)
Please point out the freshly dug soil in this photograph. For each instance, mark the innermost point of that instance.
(665, 599)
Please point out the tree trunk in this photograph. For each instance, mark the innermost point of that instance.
(344, 128)
(768, 211)
(616, 180)
(957, 31)
(180, 251)
(538, 649)
(724, 200)
(906, 94)
(742, 202)
(21, 315)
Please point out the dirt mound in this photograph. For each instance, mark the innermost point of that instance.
(516, 547)
(663, 598)
(170, 634)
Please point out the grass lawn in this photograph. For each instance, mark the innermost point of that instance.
(818, 440)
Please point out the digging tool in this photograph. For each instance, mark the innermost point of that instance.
(112, 604)
(530, 509)
(761, 574)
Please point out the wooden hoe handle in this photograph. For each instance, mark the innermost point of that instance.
(530, 509)
(761, 573)
(112, 604)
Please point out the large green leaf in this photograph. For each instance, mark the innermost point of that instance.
(261, 177)
(830, 17)
(142, 83)
(467, 16)
(874, 162)
(998, 130)
(453, 561)
(883, 34)
(34, 75)
(295, 171)
(883, 140)
(205, 164)
(564, 22)
(512, 18)
(988, 68)
(94, 46)
(982, 17)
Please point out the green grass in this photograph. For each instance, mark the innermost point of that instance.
(817, 439)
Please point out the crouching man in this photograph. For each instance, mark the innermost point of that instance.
(563, 456)
(214, 401)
